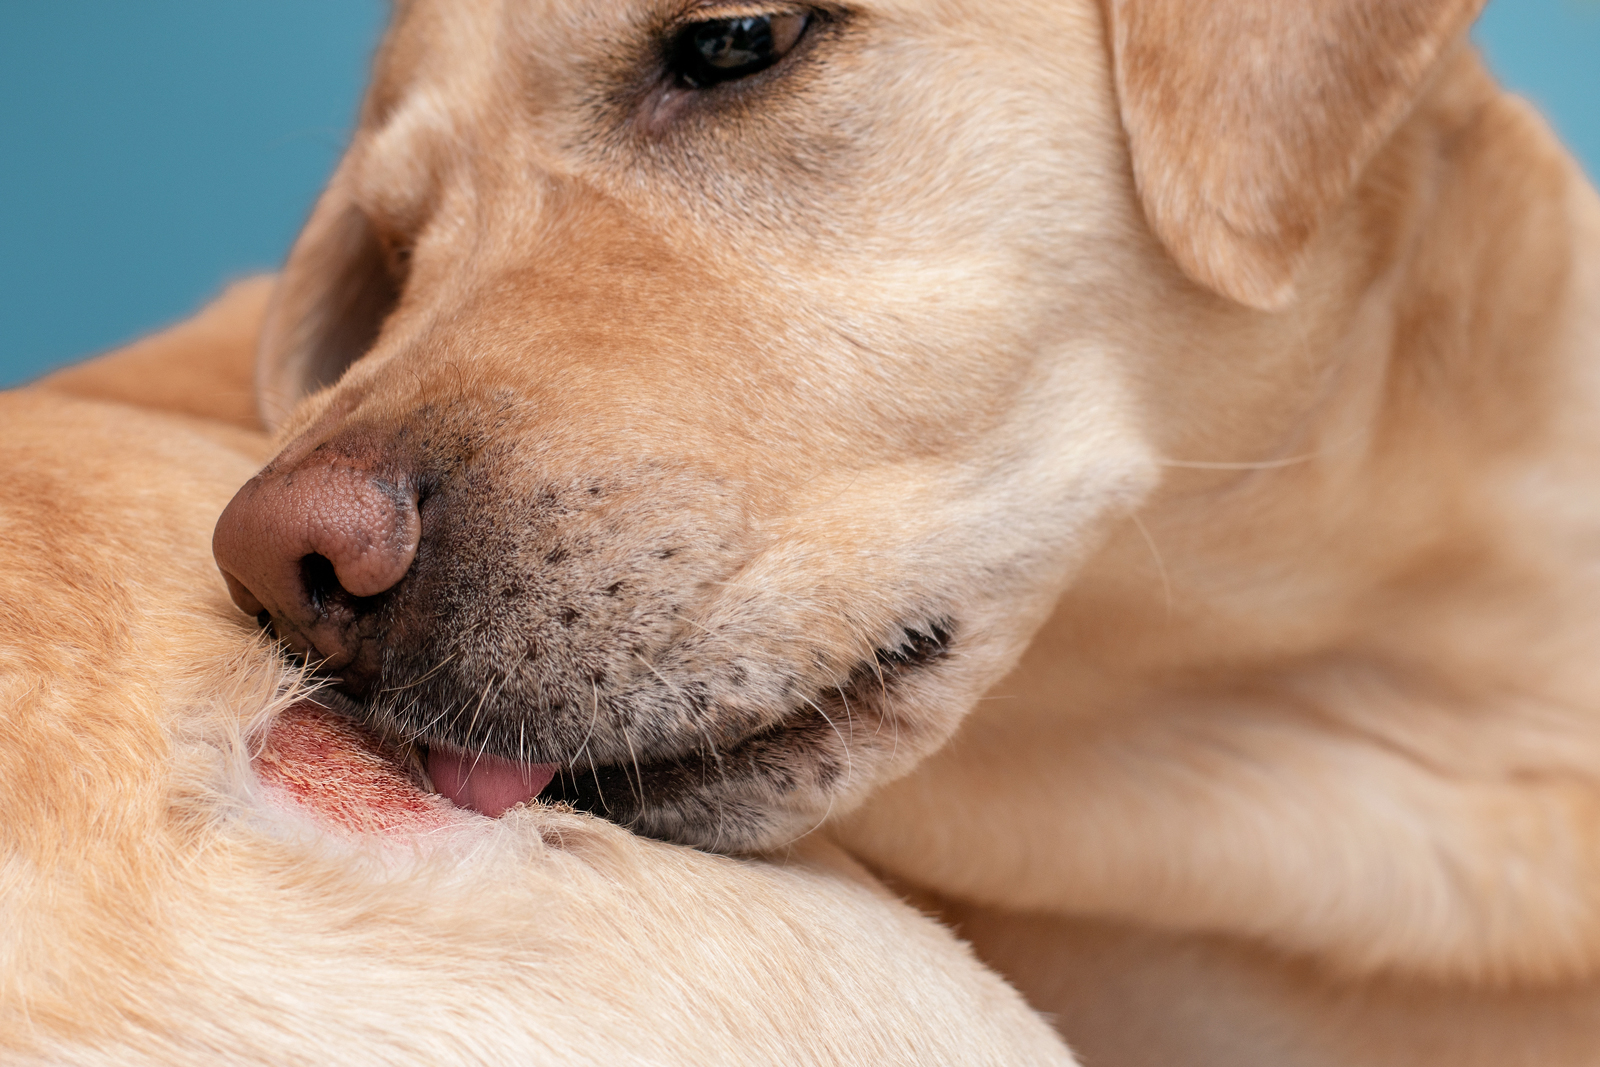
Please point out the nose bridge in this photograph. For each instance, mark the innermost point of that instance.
(582, 302)
(567, 316)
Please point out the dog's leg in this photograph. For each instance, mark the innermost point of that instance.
(1136, 996)
(201, 366)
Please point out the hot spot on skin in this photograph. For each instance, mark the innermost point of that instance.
(322, 763)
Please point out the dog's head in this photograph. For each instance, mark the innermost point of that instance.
(704, 402)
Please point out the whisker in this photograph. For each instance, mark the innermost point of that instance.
(651, 667)
(435, 669)
(594, 720)
(849, 766)
(695, 623)
(1161, 566)
(638, 793)
(482, 748)
(595, 771)
(816, 825)
(1266, 464)
(429, 725)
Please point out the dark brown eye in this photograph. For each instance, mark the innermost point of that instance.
(706, 53)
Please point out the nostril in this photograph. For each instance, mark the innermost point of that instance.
(320, 581)
(317, 539)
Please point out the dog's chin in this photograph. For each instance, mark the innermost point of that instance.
(763, 791)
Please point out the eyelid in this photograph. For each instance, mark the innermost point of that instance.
(717, 9)
(713, 11)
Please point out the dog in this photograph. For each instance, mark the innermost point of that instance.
(1121, 468)
(204, 866)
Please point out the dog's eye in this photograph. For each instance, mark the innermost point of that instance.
(720, 50)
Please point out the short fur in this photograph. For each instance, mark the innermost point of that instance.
(1241, 356)
(162, 903)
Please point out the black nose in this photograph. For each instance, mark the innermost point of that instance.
(312, 545)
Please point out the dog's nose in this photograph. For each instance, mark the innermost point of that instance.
(311, 544)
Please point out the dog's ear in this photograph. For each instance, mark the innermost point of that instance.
(335, 291)
(1249, 121)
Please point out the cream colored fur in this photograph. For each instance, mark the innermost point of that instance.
(159, 906)
(1327, 686)
(1240, 356)
(1305, 767)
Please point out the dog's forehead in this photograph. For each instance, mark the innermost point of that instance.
(505, 84)
(439, 41)
(467, 47)
(902, 240)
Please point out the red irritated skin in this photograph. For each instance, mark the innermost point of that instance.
(325, 765)
(329, 766)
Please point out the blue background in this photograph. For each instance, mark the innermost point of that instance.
(152, 149)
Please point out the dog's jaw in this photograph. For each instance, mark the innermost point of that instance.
(690, 770)
(773, 786)
(755, 792)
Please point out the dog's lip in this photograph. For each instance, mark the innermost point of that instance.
(489, 785)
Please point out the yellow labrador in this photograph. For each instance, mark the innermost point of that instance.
(202, 867)
(690, 410)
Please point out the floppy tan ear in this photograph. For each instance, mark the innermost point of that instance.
(1249, 121)
(331, 300)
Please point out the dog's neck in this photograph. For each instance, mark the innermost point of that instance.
(1333, 685)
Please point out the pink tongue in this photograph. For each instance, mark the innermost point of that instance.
(487, 783)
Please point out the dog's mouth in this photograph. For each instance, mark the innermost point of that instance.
(723, 787)
(324, 763)
(721, 782)
(320, 751)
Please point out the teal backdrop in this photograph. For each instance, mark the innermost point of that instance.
(152, 149)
